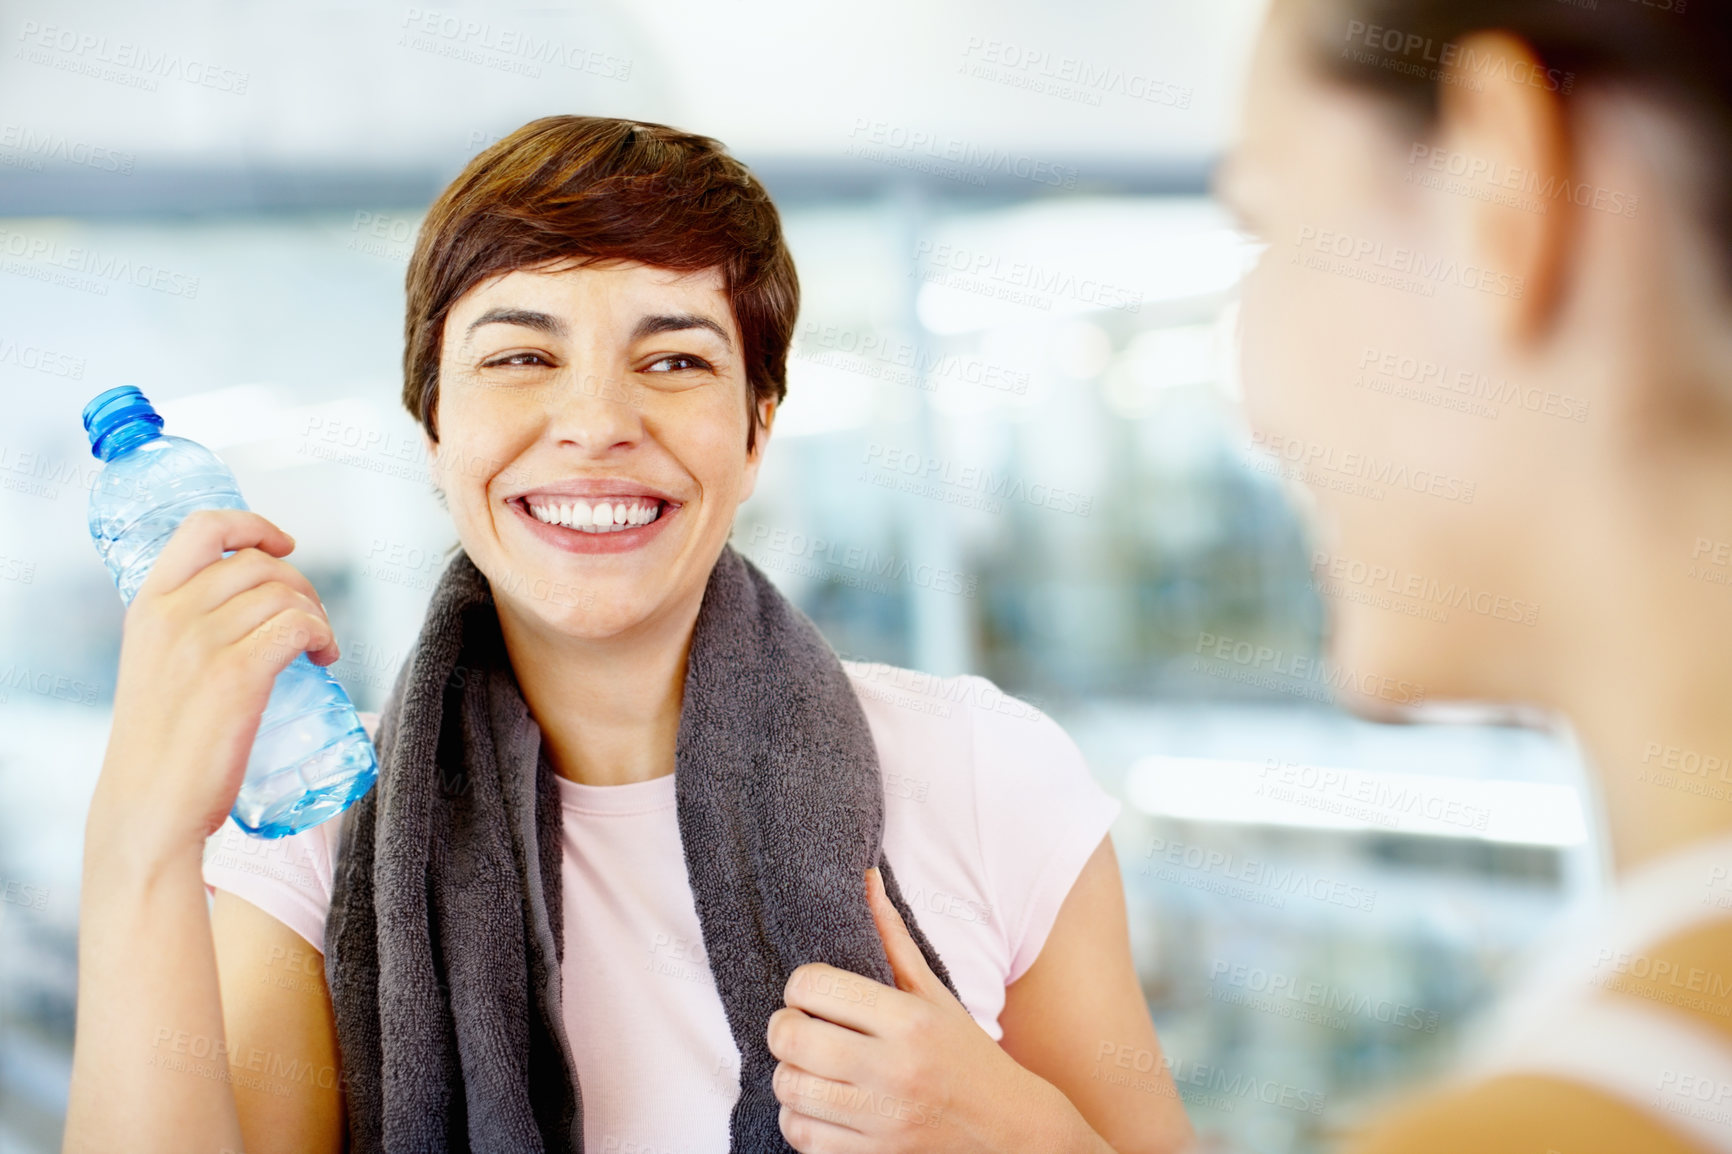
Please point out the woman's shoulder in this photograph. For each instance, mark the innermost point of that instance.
(985, 790)
(289, 878)
(965, 700)
(932, 718)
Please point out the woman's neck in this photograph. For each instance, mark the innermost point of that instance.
(1649, 688)
(609, 710)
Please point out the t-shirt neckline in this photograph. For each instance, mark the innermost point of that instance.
(656, 793)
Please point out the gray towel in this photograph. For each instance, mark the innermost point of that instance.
(444, 938)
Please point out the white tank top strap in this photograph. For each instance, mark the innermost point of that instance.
(1676, 893)
(1654, 903)
(1656, 1059)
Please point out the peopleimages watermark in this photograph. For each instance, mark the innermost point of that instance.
(40, 359)
(121, 61)
(399, 563)
(1706, 775)
(673, 956)
(1463, 390)
(267, 1071)
(19, 143)
(1310, 1001)
(950, 157)
(1711, 561)
(17, 569)
(1266, 667)
(87, 269)
(1371, 798)
(924, 475)
(22, 678)
(1686, 1094)
(1446, 61)
(1400, 268)
(1718, 887)
(1663, 980)
(860, 566)
(1464, 174)
(1121, 1064)
(363, 662)
(382, 235)
(458, 37)
(1360, 474)
(20, 893)
(1389, 587)
(1017, 281)
(841, 1103)
(36, 474)
(901, 362)
(1065, 77)
(1258, 882)
(298, 970)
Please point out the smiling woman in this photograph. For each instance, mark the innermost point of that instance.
(631, 878)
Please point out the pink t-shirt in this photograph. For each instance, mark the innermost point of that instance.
(990, 814)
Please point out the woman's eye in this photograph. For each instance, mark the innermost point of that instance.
(676, 363)
(516, 359)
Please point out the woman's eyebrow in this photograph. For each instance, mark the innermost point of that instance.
(678, 322)
(528, 318)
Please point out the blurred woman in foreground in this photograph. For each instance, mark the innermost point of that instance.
(1500, 259)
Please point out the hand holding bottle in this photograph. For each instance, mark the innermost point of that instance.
(204, 640)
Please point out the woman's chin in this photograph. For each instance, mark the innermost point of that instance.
(1375, 671)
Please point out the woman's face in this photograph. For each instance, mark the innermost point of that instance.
(1377, 370)
(592, 441)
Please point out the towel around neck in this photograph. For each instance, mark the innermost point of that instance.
(445, 937)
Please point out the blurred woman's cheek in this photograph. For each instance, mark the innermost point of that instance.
(1273, 316)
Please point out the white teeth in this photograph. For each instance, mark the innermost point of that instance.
(608, 516)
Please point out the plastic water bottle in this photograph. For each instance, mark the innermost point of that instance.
(311, 758)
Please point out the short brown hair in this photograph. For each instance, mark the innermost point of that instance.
(588, 188)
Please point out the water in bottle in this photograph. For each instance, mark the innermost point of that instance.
(311, 758)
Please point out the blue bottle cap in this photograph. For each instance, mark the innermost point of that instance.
(114, 409)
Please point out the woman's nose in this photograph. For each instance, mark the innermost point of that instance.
(596, 410)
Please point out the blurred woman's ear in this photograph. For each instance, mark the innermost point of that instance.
(1494, 117)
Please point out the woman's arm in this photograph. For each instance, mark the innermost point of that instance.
(286, 1073)
(270, 1040)
(203, 643)
(1078, 1019)
(148, 1072)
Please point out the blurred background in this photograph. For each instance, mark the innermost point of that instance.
(1010, 447)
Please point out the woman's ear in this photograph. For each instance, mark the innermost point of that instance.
(1503, 109)
(765, 414)
(434, 477)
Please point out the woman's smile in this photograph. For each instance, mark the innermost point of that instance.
(595, 516)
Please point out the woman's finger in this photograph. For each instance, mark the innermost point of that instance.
(204, 537)
(233, 575)
(269, 617)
